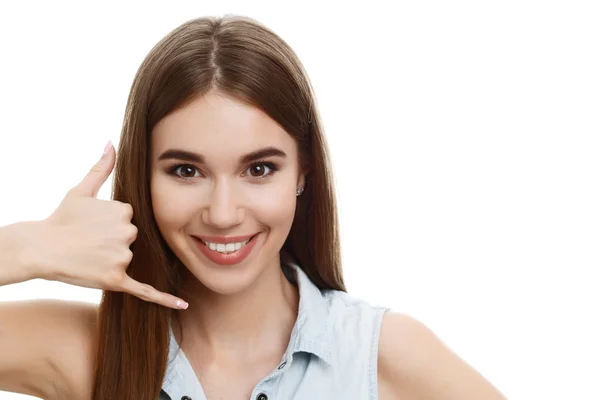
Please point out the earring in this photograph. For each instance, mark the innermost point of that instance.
(299, 192)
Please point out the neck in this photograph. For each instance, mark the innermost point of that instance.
(255, 323)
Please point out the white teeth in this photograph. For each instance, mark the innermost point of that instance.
(226, 248)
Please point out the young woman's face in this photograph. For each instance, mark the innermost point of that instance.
(224, 172)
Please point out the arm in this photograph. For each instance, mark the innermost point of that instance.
(47, 348)
(15, 261)
(415, 364)
(45, 345)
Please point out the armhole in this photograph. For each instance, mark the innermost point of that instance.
(373, 378)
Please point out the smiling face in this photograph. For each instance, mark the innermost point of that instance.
(224, 172)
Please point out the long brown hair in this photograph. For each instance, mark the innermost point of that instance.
(245, 60)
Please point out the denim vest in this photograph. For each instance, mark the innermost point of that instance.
(332, 352)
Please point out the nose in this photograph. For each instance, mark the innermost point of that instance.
(223, 211)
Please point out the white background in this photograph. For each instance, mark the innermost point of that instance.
(465, 139)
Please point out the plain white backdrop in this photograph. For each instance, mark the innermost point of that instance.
(465, 139)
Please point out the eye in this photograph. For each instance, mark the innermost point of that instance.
(262, 170)
(186, 171)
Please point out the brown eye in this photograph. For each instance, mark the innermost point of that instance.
(261, 170)
(184, 171)
(257, 170)
(187, 170)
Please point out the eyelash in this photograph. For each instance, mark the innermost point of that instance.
(274, 168)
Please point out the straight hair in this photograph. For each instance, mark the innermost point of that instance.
(240, 58)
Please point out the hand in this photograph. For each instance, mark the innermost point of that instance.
(87, 240)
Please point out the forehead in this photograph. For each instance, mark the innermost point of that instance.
(217, 125)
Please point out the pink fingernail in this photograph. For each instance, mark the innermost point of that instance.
(182, 304)
(108, 146)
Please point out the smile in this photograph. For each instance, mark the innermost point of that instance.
(226, 248)
(226, 251)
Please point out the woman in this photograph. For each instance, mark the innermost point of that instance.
(219, 256)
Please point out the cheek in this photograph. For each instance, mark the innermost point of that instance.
(274, 206)
(171, 211)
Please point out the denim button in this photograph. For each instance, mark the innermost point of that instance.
(262, 396)
(282, 365)
(186, 398)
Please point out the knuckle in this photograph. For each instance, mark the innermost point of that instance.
(126, 258)
(127, 232)
(127, 211)
(117, 274)
(146, 291)
(132, 233)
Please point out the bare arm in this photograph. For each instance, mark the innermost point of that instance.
(415, 364)
(47, 348)
(31, 332)
(15, 261)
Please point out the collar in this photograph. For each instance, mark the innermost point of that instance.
(311, 330)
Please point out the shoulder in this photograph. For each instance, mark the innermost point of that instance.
(340, 301)
(347, 313)
(414, 363)
(353, 326)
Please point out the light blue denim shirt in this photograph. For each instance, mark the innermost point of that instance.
(332, 353)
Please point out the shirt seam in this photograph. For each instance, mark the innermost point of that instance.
(373, 371)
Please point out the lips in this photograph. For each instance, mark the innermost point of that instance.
(232, 258)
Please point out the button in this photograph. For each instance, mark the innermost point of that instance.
(262, 396)
(282, 365)
(186, 398)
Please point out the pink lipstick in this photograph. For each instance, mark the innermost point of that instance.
(226, 250)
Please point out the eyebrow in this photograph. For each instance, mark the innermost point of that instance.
(184, 155)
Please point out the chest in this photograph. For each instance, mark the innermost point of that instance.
(301, 379)
(306, 377)
(233, 383)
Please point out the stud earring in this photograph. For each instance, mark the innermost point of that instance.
(299, 192)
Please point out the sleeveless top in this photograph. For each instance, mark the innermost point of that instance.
(332, 352)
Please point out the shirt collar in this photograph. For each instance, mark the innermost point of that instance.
(180, 379)
(311, 330)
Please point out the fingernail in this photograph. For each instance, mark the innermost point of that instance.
(182, 304)
(107, 148)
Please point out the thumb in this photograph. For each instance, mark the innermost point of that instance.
(98, 174)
